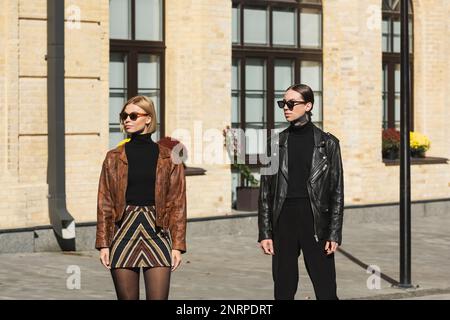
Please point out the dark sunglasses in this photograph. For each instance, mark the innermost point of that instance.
(290, 103)
(133, 115)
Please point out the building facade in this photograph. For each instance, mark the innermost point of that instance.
(212, 63)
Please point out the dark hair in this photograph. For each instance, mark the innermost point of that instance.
(306, 92)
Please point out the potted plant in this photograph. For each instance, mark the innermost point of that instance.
(246, 195)
(419, 144)
(390, 144)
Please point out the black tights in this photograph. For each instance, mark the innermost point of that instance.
(157, 282)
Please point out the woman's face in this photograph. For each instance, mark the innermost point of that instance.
(300, 108)
(141, 124)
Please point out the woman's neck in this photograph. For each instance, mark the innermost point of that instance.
(301, 121)
(141, 137)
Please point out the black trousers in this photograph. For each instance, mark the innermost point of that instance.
(295, 234)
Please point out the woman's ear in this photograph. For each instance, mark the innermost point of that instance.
(308, 106)
(149, 120)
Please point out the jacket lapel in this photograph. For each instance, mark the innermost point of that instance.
(162, 168)
(122, 154)
(319, 154)
(283, 141)
(162, 180)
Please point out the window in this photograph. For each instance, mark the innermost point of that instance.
(136, 64)
(391, 62)
(275, 44)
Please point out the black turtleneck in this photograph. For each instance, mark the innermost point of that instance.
(300, 150)
(142, 155)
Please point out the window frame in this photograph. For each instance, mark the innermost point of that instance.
(132, 48)
(269, 53)
(389, 60)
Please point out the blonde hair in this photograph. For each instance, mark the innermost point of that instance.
(146, 104)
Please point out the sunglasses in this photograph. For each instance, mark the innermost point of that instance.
(133, 115)
(290, 103)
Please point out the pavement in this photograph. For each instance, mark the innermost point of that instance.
(231, 267)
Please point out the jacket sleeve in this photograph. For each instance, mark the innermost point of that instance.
(105, 222)
(264, 209)
(265, 196)
(176, 201)
(336, 195)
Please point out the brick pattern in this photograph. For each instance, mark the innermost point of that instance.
(87, 69)
(198, 91)
(352, 97)
(89, 10)
(432, 73)
(3, 108)
(9, 100)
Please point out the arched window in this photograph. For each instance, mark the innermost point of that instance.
(391, 62)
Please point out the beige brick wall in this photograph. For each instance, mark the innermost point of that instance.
(24, 149)
(352, 97)
(11, 213)
(90, 10)
(3, 107)
(198, 90)
(9, 100)
(432, 73)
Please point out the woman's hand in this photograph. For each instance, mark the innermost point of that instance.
(104, 257)
(331, 247)
(267, 246)
(176, 259)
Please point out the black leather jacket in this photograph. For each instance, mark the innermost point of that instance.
(325, 187)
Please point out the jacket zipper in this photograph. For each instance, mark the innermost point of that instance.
(314, 178)
(314, 218)
(320, 170)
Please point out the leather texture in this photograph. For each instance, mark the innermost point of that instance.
(325, 187)
(170, 195)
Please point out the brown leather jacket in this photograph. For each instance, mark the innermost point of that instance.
(170, 196)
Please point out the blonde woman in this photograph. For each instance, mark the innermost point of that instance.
(141, 207)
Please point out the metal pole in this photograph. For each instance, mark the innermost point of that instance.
(405, 170)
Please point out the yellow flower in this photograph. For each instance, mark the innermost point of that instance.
(123, 142)
(418, 141)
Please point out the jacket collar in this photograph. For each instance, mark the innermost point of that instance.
(319, 145)
(164, 152)
(319, 141)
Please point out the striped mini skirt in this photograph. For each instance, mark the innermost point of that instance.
(138, 242)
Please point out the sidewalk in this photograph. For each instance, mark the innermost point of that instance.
(232, 267)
